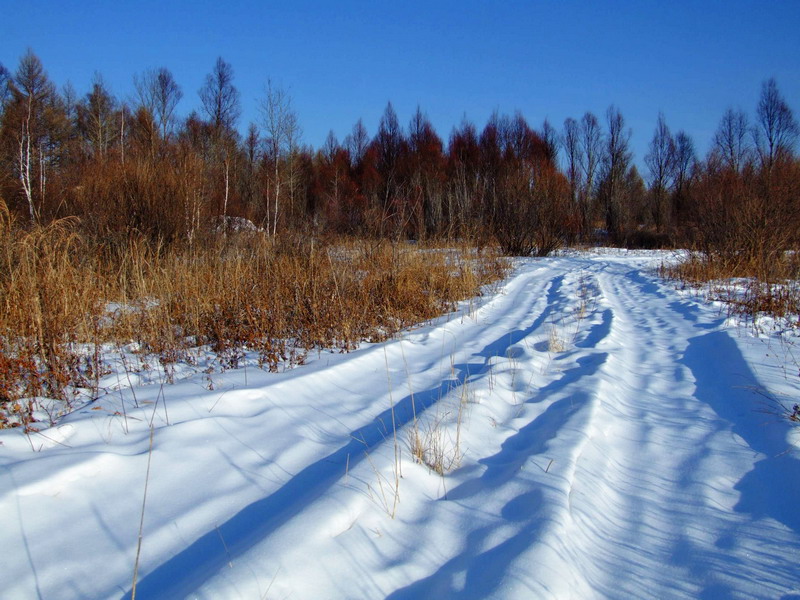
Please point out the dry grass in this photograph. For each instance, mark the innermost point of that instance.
(430, 444)
(556, 341)
(752, 294)
(776, 295)
(62, 293)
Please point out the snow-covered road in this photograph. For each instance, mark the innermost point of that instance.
(602, 433)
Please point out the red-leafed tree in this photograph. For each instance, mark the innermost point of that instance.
(425, 173)
(335, 198)
(465, 188)
(382, 178)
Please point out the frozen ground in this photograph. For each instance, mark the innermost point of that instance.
(605, 435)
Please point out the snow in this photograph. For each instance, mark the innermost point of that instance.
(608, 436)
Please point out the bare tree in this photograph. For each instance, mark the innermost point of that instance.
(331, 146)
(159, 93)
(69, 99)
(465, 184)
(252, 155)
(357, 142)
(5, 88)
(685, 157)
(551, 142)
(389, 141)
(616, 162)
(571, 143)
(685, 161)
(220, 98)
(776, 131)
(731, 142)
(282, 139)
(591, 150)
(572, 155)
(425, 173)
(515, 135)
(660, 161)
(388, 146)
(96, 118)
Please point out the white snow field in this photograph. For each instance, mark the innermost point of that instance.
(606, 437)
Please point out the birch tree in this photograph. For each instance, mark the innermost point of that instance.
(32, 119)
(159, 93)
(220, 101)
(282, 132)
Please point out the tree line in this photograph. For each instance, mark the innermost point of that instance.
(136, 166)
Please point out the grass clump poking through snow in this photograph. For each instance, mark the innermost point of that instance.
(430, 444)
(67, 296)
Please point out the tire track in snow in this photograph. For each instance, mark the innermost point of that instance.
(654, 501)
(521, 300)
(659, 478)
(619, 474)
(520, 497)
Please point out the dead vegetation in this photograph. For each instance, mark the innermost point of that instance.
(64, 295)
(746, 224)
(745, 293)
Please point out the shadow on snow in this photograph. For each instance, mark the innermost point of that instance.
(195, 564)
(772, 487)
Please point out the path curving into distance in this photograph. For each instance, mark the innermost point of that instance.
(602, 435)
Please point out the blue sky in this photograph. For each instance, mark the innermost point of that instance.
(344, 60)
